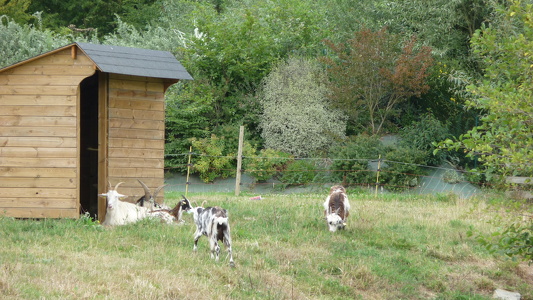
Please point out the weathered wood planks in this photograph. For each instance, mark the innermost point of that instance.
(39, 136)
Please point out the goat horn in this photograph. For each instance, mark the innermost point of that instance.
(109, 185)
(147, 194)
(116, 186)
(157, 191)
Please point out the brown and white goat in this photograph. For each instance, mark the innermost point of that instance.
(213, 223)
(336, 208)
(173, 215)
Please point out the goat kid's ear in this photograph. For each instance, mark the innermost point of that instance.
(103, 195)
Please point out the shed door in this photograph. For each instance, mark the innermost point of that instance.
(89, 145)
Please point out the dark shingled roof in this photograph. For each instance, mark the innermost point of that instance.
(135, 61)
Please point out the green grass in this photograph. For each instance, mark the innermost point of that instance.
(395, 247)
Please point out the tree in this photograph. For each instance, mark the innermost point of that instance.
(16, 10)
(20, 42)
(296, 115)
(504, 140)
(371, 75)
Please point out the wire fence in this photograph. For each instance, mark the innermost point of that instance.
(377, 176)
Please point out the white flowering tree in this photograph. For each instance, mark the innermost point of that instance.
(297, 117)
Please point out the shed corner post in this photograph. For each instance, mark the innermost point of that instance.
(103, 119)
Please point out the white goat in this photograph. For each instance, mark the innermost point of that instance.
(336, 208)
(120, 212)
(213, 223)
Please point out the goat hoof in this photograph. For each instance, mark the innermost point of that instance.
(232, 264)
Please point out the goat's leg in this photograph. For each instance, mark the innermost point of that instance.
(227, 243)
(197, 236)
(215, 248)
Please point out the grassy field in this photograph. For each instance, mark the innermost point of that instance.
(395, 247)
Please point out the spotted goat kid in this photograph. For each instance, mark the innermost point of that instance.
(336, 208)
(213, 223)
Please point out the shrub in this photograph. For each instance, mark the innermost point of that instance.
(421, 135)
(266, 164)
(213, 161)
(299, 172)
(351, 160)
(401, 170)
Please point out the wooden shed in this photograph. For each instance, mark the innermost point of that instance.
(73, 119)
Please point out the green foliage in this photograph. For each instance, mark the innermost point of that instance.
(20, 42)
(299, 172)
(188, 114)
(16, 10)
(422, 134)
(452, 176)
(96, 14)
(402, 168)
(214, 161)
(503, 143)
(296, 114)
(514, 241)
(351, 160)
(266, 164)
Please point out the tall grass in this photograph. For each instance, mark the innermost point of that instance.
(395, 247)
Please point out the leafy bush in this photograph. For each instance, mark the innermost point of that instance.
(452, 176)
(266, 164)
(350, 164)
(401, 169)
(299, 172)
(513, 241)
(213, 161)
(421, 135)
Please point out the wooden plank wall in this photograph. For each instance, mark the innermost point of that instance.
(39, 136)
(136, 134)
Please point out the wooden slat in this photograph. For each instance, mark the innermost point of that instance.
(37, 152)
(38, 162)
(37, 182)
(136, 114)
(40, 212)
(137, 133)
(134, 162)
(137, 104)
(134, 143)
(62, 59)
(135, 85)
(38, 90)
(19, 100)
(34, 69)
(136, 124)
(38, 192)
(41, 80)
(135, 78)
(38, 110)
(44, 142)
(37, 202)
(38, 172)
(140, 153)
(134, 172)
(36, 121)
(48, 131)
(141, 95)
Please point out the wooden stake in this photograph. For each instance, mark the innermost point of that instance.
(239, 162)
(188, 172)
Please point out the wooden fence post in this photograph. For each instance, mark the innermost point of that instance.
(188, 172)
(239, 162)
(377, 175)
